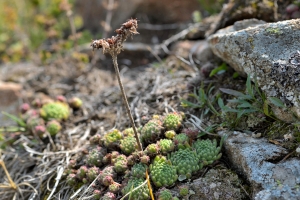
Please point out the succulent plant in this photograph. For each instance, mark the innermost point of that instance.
(97, 194)
(120, 163)
(55, 110)
(183, 190)
(151, 131)
(170, 134)
(172, 121)
(114, 187)
(107, 159)
(128, 145)
(92, 173)
(114, 154)
(34, 121)
(185, 162)
(145, 159)
(72, 164)
(128, 132)
(107, 181)
(53, 127)
(112, 138)
(81, 172)
(95, 139)
(108, 196)
(166, 146)
(142, 193)
(131, 160)
(164, 194)
(139, 170)
(192, 133)
(36, 103)
(39, 130)
(24, 108)
(138, 154)
(95, 156)
(207, 151)
(152, 150)
(75, 103)
(71, 180)
(181, 141)
(107, 171)
(162, 172)
(61, 98)
(30, 113)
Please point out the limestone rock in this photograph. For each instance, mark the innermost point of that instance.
(269, 52)
(257, 160)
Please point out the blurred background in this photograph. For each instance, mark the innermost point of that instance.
(38, 30)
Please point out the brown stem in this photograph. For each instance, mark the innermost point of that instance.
(114, 57)
(11, 182)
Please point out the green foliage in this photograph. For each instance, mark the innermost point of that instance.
(71, 180)
(151, 131)
(183, 190)
(95, 156)
(108, 196)
(253, 100)
(185, 161)
(166, 145)
(128, 132)
(207, 151)
(170, 134)
(172, 121)
(112, 138)
(165, 194)
(53, 127)
(18, 120)
(219, 70)
(81, 172)
(55, 110)
(162, 172)
(203, 101)
(211, 6)
(107, 171)
(92, 173)
(181, 141)
(142, 193)
(139, 170)
(152, 149)
(120, 164)
(128, 145)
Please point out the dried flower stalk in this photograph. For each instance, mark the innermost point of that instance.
(114, 46)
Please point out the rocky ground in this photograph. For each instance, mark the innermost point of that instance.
(260, 150)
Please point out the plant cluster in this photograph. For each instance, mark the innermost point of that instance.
(43, 116)
(246, 105)
(132, 166)
(166, 161)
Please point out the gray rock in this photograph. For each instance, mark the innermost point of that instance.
(269, 52)
(257, 160)
(217, 184)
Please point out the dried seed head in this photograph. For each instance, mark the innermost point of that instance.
(119, 31)
(96, 44)
(110, 41)
(113, 45)
(128, 24)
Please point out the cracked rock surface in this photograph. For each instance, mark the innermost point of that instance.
(269, 52)
(257, 160)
